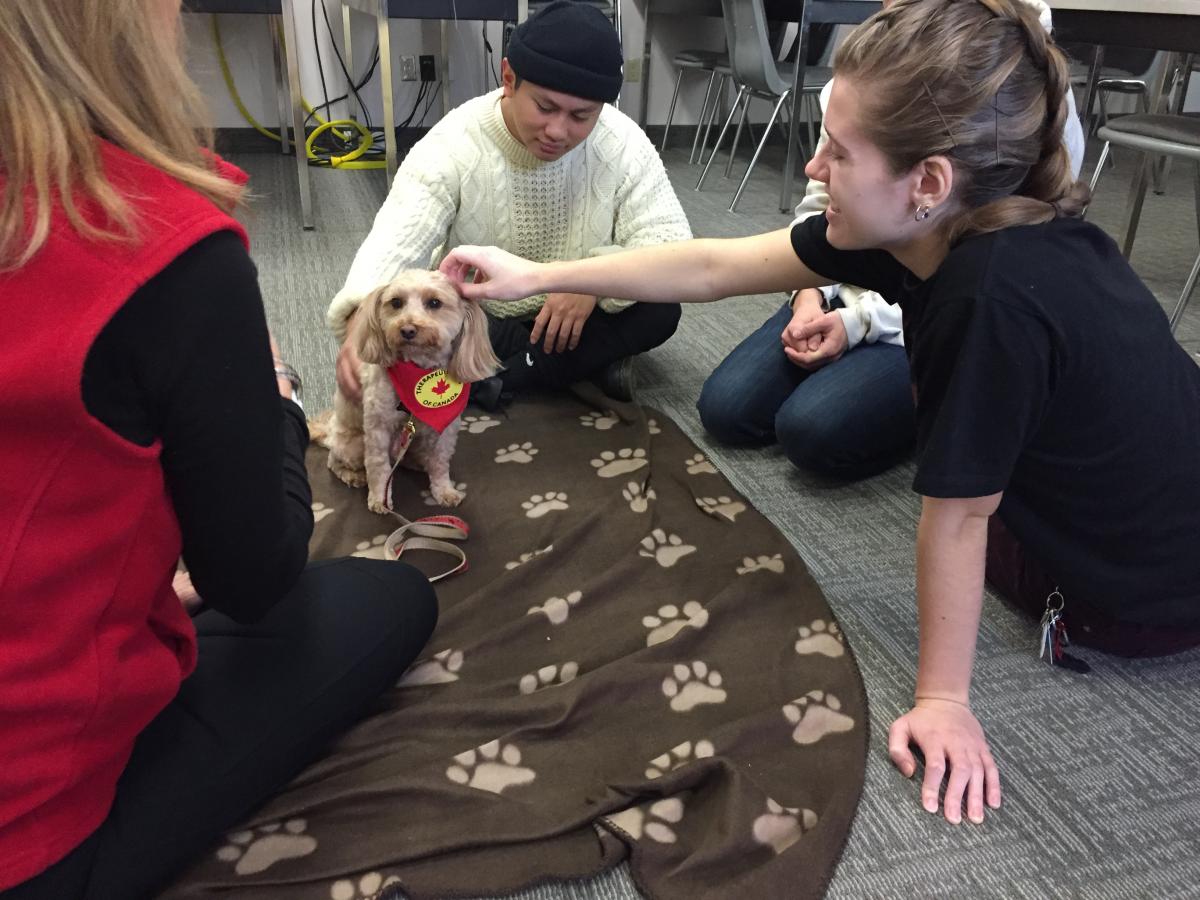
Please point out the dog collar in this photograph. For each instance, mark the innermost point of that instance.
(430, 395)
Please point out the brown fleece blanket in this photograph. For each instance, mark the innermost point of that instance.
(636, 665)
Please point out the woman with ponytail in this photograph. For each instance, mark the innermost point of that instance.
(1058, 421)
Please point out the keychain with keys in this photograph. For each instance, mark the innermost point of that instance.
(1054, 636)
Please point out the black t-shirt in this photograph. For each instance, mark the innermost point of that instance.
(1044, 368)
(186, 360)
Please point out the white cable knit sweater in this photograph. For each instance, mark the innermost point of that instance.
(470, 182)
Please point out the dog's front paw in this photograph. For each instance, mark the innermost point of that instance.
(356, 478)
(447, 496)
(376, 504)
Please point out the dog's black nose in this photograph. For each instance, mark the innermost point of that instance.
(408, 332)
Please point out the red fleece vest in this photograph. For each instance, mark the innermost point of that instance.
(93, 641)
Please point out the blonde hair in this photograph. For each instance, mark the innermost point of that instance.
(73, 71)
(980, 82)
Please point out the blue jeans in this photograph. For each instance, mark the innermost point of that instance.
(850, 419)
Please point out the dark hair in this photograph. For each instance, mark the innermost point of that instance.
(980, 82)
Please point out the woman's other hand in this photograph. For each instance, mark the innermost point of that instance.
(953, 744)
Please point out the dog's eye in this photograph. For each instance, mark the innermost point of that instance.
(396, 302)
(433, 303)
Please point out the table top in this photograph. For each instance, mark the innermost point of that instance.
(1175, 7)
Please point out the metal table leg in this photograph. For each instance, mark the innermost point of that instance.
(290, 48)
(385, 74)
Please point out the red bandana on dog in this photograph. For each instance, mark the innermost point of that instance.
(431, 395)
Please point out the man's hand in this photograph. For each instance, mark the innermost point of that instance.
(561, 318)
(348, 363)
(828, 333)
(948, 735)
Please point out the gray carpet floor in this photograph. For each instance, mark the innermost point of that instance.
(1101, 772)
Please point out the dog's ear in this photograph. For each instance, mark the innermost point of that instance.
(473, 359)
(368, 325)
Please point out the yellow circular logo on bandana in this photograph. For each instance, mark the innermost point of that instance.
(437, 389)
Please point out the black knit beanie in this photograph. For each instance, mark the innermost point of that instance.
(569, 47)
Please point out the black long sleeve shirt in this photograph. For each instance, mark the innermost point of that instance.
(186, 360)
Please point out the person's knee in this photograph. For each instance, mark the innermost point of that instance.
(659, 322)
(723, 416)
(824, 446)
(391, 605)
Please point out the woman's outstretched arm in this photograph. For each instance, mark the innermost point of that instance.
(688, 271)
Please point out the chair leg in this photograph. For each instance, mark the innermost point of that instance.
(712, 116)
(737, 135)
(1186, 295)
(1137, 196)
(809, 118)
(671, 110)
(712, 80)
(720, 138)
(766, 133)
(1107, 149)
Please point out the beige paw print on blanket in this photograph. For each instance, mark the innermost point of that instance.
(478, 424)
(601, 421)
(526, 557)
(721, 507)
(256, 850)
(548, 676)
(557, 609)
(819, 637)
(699, 465)
(611, 463)
(678, 757)
(366, 888)
(761, 564)
(517, 453)
(443, 668)
(372, 549)
(320, 511)
(690, 686)
(665, 549)
(638, 497)
(782, 826)
(671, 620)
(816, 715)
(540, 504)
(654, 821)
(490, 767)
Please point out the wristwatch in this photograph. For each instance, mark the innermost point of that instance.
(283, 370)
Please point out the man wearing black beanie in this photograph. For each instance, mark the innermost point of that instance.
(543, 167)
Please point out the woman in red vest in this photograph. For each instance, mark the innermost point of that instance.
(141, 422)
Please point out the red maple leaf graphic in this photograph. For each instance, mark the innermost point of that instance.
(441, 387)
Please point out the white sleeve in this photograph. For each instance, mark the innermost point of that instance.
(647, 210)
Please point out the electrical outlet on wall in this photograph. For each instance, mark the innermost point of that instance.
(428, 68)
(408, 68)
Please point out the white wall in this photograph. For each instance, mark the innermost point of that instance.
(248, 48)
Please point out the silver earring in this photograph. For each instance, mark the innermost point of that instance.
(922, 213)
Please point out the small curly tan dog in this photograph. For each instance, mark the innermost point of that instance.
(435, 344)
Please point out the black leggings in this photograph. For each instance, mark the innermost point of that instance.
(265, 700)
(606, 338)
